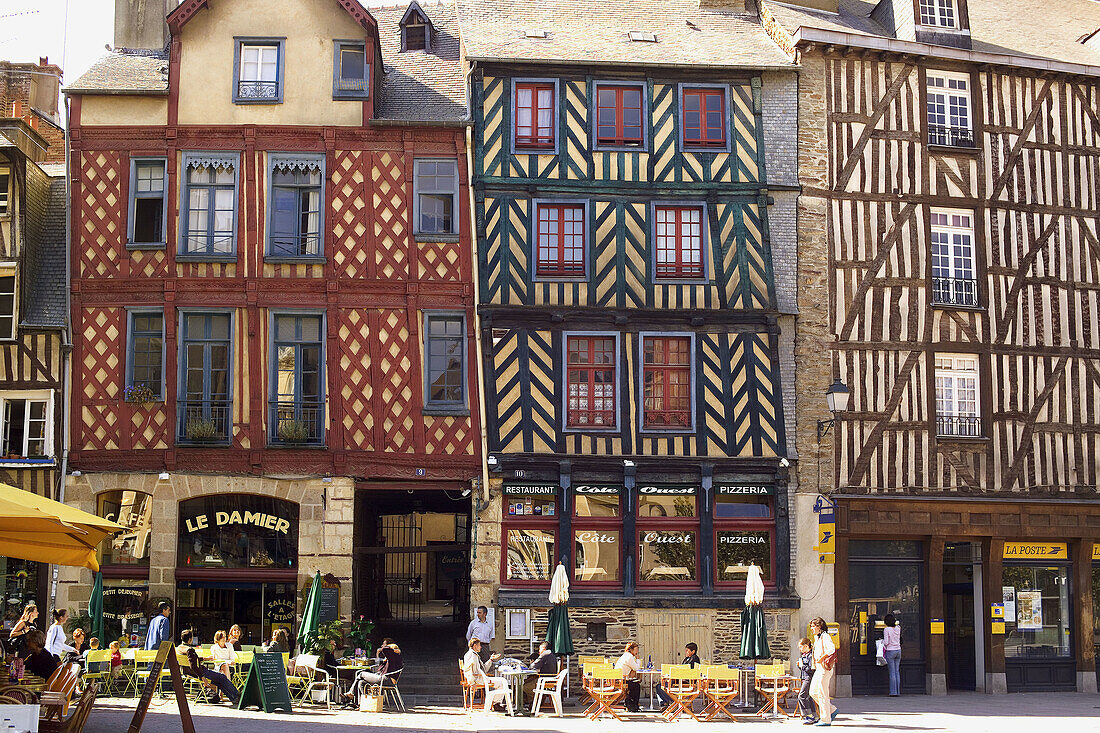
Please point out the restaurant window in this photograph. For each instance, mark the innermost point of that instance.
(619, 116)
(259, 67)
(680, 235)
(591, 386)
(204, 401)
(209, 202)
(1037, 625)
(957, 413)
(953, 275)
(145, 355)
(668, 535)
(296, 214)
(560, 245)
(744, 526)
(949, 118)
(19, 581)
(126, 611)
(134, 511)
(435, 183)
(597, 534)
(884, 576)
(666, 383)
(28, 421)
(238, 531)
(351, 72)
(704, 118)
(297, 405)
(535, 116)
(148, 208)
(445, 354)
(530, 532)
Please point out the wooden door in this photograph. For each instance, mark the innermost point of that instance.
(662, 634)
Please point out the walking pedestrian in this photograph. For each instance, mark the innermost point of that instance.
(55, 637)
(891, 648)
(805, 674)
(481, 628)
(824, 653)
(23, 626)
(160, 630)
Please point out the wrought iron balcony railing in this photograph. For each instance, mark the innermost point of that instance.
(959, 426)
(257, 89)
(954, 291)
(957, 137)
(297, 422)
(203, 421)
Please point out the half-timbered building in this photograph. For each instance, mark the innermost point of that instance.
(632, 174)
(949, 156)
(272, 299)
(33, 340)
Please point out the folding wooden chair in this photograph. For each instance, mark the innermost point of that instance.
(606, 689)
(59, 691)
(721, 686)
(768, 683)
(587, 671)
(683, 688)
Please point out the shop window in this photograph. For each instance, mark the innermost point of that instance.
(209, 203)
(666, 383)
(148, 202)
(134, 511)
(953, 278)
(1037, 626)
(619, 115)
(560, 245)
(744, 523)
(679, 236)
(591, 369)
(534, 117)
(19, 581)
(597, 534)
(297, 405)
(126, 612)
(294, 200)
(884, 576)
(530, 531)
(957, 412)
(204, 406)
(238, 531)
(145, 356)
(668, 534)
(27, 426)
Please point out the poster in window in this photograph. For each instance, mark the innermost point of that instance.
(1029, 610)
(1008, 593)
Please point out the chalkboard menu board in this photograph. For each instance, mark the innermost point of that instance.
(266, 686)
(330, 604)
(166, 656)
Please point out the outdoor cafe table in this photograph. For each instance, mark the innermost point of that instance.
(515, 679)
(775, 680)
(652, 676)
(353, 668)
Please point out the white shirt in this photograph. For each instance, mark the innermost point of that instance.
(823, 647)
(55, 641)
(629, 665)
(222, 654)
(473, 667)
(481, 630)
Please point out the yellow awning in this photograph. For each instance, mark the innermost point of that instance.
(33, 527)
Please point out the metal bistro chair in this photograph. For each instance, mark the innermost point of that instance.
(146, 657)
(721, 686)
(128, 670)
(683, 688)
(387, 688)
(309, 677)
(99, 658)
(241, 667)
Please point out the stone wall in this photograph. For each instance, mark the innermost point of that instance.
(485, 563)
(324, 525)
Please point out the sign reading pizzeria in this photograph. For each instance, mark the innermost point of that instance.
(746, 490)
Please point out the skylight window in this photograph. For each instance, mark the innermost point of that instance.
(642, 36)
(537, 33)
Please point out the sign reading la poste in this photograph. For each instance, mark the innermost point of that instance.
(222, 519)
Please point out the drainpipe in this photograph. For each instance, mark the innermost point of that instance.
(66, 343)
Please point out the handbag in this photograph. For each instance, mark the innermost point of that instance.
(880, 653)
(829, 661)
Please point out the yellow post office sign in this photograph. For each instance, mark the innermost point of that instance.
(826, 537)
(1037, 551)
(937, 626)
(997, 627)
(1096, 551)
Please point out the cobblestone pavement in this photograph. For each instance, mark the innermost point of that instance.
(971, 713)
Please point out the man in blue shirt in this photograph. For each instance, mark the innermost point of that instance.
(159, 627)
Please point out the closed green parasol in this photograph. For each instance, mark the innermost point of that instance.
(557, 629)
(311, 614)
(95, 610)
(754, 631)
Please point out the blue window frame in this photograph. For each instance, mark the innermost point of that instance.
(350, 70)
(298, 379)
(145, 351)
(208, 206)
(435, 195)
(148, 206)
(204, 407)
(295, 207)
(534, 116)
(444, 362)
(258, 70)
(705, 118)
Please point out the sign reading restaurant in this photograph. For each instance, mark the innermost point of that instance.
(526, 488)
(222, 519)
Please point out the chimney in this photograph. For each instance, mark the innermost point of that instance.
(139, 24)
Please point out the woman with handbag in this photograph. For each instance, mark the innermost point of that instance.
(891, 651)
(824, 653)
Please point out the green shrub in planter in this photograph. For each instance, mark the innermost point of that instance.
(201, 430)
(293, 431)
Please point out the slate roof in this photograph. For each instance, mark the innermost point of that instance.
(591, 32)
(44, 304)
(125, 72)
(421, 85)
(1047, 29)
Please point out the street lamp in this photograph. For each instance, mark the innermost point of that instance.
(836, 396)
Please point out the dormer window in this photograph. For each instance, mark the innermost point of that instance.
(350, 70)
(416, 30)
(939, 13)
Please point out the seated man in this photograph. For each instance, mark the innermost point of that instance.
(195, 669)
(388, 671)
(38, 660)
(546, 664)
(477, 672)
(691, 658)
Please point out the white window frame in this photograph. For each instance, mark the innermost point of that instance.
(952, 91)
(946, 260)
(5, 191)
(934, 14)
(10, 269)
(38, 395)
(950, 403)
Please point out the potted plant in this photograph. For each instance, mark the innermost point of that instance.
(328, 637)
(293, 431)
(201, 430)
(359, 633)
(140, 394)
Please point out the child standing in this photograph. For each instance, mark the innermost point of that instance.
(806, 672)
(116, 659)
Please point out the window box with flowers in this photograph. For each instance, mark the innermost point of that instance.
(140, 394)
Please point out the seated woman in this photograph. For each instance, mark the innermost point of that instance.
(222, 654)
(195, 669)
